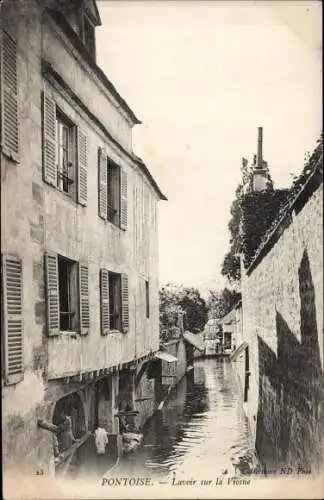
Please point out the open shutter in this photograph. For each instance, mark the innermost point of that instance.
(125, 303)
(123, 199)
(82, 145)
(102, 183)
(104, 301)
(84, 299)
(49, 140)
(9, 96)
(52, 294)
(13, 318)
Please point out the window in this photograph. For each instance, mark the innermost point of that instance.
(12, 340)
(67, 277)
(147, 298)
(9, 116)
(65, 152)
(113, 198)
(67, 295)
(115, 301)
(65, 146)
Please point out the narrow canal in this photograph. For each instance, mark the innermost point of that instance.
(200, 428)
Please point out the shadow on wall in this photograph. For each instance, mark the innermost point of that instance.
(290, 421)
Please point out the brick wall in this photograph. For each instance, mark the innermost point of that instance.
(283, 324)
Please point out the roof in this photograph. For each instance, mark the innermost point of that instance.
(192, 339)
(229, 318)
(93, 12)
(165, 356)
(49, 69)
(77, 43)
(212, 322)
(148, 174)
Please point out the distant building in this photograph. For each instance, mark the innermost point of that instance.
(261, 180)
(79, 234)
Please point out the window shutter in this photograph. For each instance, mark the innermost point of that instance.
(123, 199)
(9, 96)
(125, 303)
(82, 156)
(52, 294)
(84, 299)
(104, 301)
(49, 140)
(102, 180)
(13, 318)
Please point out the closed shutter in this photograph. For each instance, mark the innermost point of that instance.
(9, 96)
(52, 294)
(123, 199)
(82, 167)
(49, 140)
(102, 183)
(13, 318)
(104, 302)
(125, 303)
(84, 299)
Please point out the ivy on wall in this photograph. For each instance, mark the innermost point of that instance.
(258, 211)
(254, 215)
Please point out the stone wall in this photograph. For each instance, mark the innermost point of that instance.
(283, 324)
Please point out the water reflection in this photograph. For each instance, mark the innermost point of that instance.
(201, 428)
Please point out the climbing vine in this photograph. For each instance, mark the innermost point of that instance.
(254, 215)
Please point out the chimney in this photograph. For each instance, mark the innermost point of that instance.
(259, 155)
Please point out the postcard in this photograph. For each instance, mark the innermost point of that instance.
(162, 249)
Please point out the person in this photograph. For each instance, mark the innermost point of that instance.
(66, 437)
(101, 439)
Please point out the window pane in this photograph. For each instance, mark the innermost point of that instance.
(66, 282)
(114, 301)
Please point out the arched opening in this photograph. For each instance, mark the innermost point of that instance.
(71, 406)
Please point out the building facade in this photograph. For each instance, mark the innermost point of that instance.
(79, 233)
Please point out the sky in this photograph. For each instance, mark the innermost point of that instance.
(202, 77)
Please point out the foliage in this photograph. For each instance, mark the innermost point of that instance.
(259, 211)
(221, 303)
(255, 214)
(311, 162)
(176, 300)
(231, 266)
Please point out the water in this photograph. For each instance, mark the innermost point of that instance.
(201, 428)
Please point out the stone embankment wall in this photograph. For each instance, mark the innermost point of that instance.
(282, 296)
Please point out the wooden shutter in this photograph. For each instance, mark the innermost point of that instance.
(84, 298)
(13, 318)
(102, 183)
(125, 303)
(49, 140)
(52, 294)
(82, 155)
(9, 96)
(123, 199)
(104, 301)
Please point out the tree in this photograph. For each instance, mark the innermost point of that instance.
(175, 299)
(231, 267)
(221, 303)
